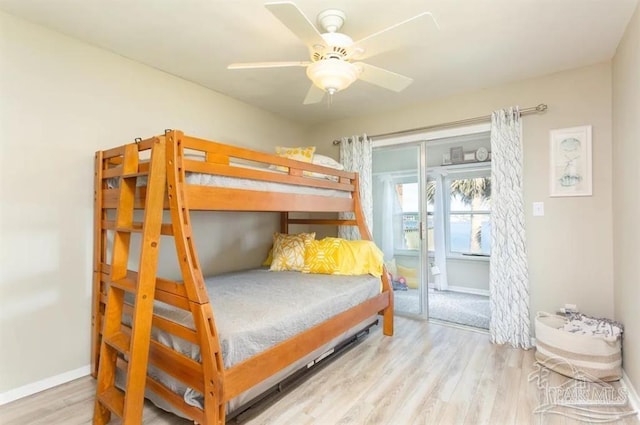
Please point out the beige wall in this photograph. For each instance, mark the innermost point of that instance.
(465, 274)
(61, 100)
(570, 248)
(626, 197)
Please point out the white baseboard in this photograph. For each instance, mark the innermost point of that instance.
(634, 400)
(466, 290)
(463, 289)
(45, 384)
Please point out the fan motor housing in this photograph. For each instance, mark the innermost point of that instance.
(338, 47)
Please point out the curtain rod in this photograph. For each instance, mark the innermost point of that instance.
(525, 111)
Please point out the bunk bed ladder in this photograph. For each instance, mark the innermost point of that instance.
(130, 345)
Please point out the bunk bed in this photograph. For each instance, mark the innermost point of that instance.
(170, 339)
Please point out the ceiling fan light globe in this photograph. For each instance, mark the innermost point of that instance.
(332, 75)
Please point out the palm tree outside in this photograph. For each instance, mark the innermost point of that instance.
(471, 192)
(474, 192)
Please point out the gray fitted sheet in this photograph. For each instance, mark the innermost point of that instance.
(256, 309)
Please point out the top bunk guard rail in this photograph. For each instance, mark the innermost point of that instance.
(211, 159)
(169, 162)
(219, 159)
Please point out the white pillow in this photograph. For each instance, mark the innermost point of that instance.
(326, 161)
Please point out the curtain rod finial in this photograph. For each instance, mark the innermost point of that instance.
(541, 107)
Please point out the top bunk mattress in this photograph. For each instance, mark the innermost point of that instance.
(256, 309)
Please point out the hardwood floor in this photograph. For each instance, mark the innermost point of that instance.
(426, 374)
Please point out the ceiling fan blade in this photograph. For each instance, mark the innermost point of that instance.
(314, 95)
(383, 78)
(252, 65)
(293, 18)
(394, 36)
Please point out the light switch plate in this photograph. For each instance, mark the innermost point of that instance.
(538, 209)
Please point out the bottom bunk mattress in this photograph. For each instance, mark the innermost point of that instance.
(256, 309)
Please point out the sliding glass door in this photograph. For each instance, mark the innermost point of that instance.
(432, 219)
(399, 227)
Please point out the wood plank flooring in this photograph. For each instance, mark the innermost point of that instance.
(427, 373)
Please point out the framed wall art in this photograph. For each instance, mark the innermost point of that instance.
(570, 168)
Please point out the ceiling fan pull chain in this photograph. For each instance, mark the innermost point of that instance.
(329, 100)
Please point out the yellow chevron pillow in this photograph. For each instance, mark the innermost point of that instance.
(322, 256)
(304, 154)
(289, 251)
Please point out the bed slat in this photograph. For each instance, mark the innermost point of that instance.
(175, 329)
(169, 326)
(168, 360)
(202, 198)
(173, 299)
(322, 221)
(177, 365)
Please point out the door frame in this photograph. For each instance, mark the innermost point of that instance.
(423, 140)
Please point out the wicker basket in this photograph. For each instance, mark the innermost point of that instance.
(584, 357)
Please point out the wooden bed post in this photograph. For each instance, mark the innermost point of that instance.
(99, 246)
(387, 313)
(284, 222)
(210, 352)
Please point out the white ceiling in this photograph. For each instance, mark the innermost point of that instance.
(480, 43)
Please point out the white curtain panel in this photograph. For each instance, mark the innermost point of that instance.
(356, 155)
(440, 254)
(391, 217)
(508, 280)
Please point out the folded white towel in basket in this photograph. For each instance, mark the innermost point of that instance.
(584, 325)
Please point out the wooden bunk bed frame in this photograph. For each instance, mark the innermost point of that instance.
(130, 348)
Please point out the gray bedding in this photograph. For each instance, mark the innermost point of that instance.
(256, 309)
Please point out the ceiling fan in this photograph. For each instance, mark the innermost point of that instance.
(332, 66)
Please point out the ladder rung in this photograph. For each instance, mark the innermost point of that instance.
(133, 175)
(125, 284)
(113, 399)
(127, 229)
(120, 342)
(136, 226)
